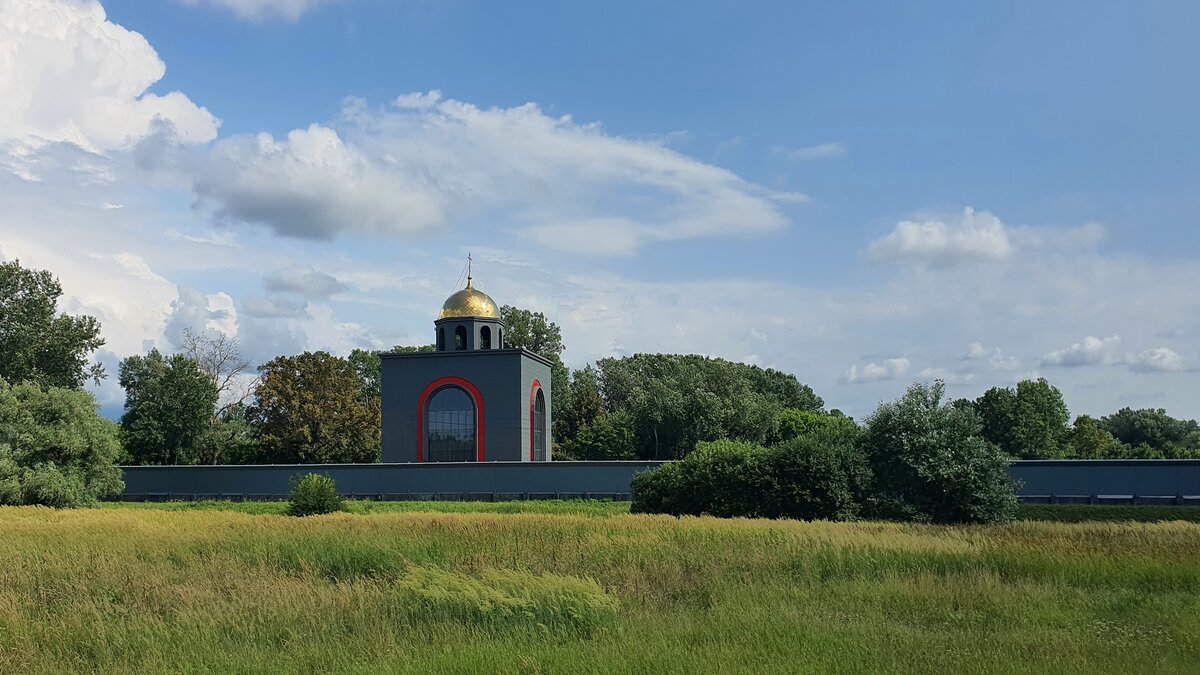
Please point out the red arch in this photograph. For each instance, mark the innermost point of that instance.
(532, 398)
(475, 396)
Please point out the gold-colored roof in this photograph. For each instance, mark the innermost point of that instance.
(469, 303)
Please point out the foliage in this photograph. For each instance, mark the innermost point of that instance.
(38, 344)
(314, 494)
(368, 365)
(219, 357)
(1152, 433)
(311, 408)
(931, 461)
(54, 448)
(794, 423)
(676, 401)
(821, 475)
(169, 406)
(607, 437)
(530, 330)
(230, 439)
(1089, 440)
(1029, 422)
(582, 403)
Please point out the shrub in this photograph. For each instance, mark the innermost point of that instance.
(932, 463)
(819, 475)
(54, 448)
(312, 495)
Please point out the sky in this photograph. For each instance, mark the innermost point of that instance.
(863, 194)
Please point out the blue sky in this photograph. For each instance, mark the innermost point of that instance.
(865, 194)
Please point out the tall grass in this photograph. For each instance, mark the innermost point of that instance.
(155, 590)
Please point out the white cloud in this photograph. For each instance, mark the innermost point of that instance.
(952, 377)
(976, 236)
(1159, 360)
(994, 358)
(428, 162)
(888, 369)
(258, 10)
(1089, 351)
(306, 281)
(69, 75)
(822, 151)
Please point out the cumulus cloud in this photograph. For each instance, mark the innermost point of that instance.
(258, 10)
(1089, 351)
(427, 162)
(888, 369)
(69, 75)
(1159, 360)
(306, 281)
(975, 236)
(993, 358)
(272, 307)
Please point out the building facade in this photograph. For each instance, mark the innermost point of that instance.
(473, 399)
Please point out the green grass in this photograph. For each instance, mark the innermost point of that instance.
(417, 588)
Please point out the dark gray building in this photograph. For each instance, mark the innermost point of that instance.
(471, 400)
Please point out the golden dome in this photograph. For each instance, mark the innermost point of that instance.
(469, 303)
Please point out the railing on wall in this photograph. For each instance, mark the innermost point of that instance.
(1049, 481)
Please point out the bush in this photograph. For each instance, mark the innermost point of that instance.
(932, 463)
(54, 448)
(818, 476)
(314, 494)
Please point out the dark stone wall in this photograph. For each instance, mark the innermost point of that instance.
(1115, 481)
(503, 378)
(486, 481)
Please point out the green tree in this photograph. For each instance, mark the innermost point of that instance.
(368, 365)
(311, 408)
(1029, 422)
(676, 401)
(169, 406)
(54, 448)
(608, 436)
(1090, 441)
(1154, 430)
(38, 344)
(795, 423)
(230, 439)
(931, 461)
(582, 403)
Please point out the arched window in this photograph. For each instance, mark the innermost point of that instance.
(539, 426)
(485, 338)
(450, 432)
(460, 338)
(499, 338)
(441, 340)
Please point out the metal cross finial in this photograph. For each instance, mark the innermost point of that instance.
(468, 269)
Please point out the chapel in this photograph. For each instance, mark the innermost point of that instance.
(472, 399)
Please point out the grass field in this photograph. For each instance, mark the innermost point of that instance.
(582, 587)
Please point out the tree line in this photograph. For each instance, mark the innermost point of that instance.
(205, 404)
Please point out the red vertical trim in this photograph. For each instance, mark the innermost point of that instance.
(475, 396)
(532, 399)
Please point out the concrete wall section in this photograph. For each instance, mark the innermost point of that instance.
(1108, 480)
(488, 481)
(1174, 481)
